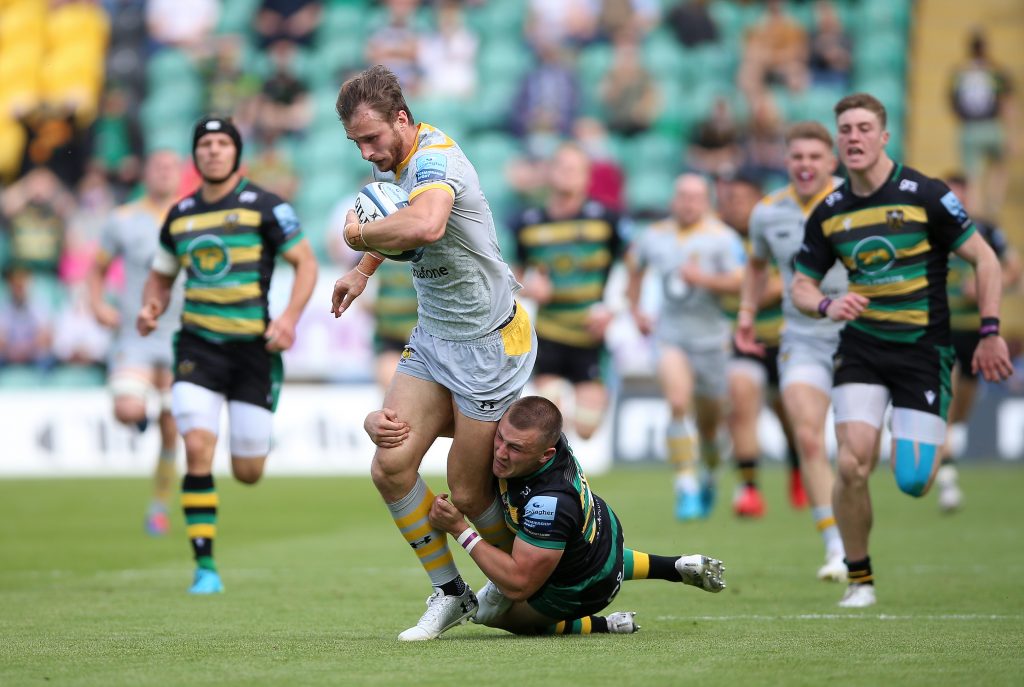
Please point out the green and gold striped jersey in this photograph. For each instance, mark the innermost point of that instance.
(577, 254)
(227, 250)
(768, 320)
(895, 245)
(554, 508)
(394, 308)
(963, 310)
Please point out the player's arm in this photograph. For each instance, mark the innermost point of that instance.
(104, 313)
(280, 334)
(755, 282)
(422, 222)
(815, 258)
(518, 575)
(156, 295)
(635, 270)
(991, 357)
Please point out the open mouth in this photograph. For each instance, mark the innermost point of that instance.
(805, 176)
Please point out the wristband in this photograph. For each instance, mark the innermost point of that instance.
(361, 272)
(823, 306)
(468, 540)
(746, 307)
(989, 327)
(376, 257)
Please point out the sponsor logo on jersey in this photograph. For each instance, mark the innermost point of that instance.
(286, 217)
(908, 185)
(209, 257)
(433, 167)
(539, 513)
(956, 209)
(833, 198)
(186, 203)
(247, 197)
(429, 272)
(874, 254)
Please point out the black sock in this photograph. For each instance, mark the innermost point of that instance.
(860, 571)
(947, 460)
(142, 424)
(791, 457)
(748, 470)
(456, 587)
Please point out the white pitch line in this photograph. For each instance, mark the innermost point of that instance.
(845, 616)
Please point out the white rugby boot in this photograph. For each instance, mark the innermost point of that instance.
(858, 596)
(950, 495)
(493, 604)
(443, 612)
(834, 569)
(701, 571)
(622, 622)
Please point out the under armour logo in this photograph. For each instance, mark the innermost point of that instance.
(930, 397)
(421, 542)
(487, 405)
(465, 607)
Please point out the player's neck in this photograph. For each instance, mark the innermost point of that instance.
(212, 191)
(157, 201)
(807, 202)
(866, 182)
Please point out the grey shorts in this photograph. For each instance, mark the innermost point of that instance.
(806, 360)
(708, 365)
(484, 375)
(148, 352)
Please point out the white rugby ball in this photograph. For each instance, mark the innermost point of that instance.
(376, 201)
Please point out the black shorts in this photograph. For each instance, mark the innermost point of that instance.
(916, 375)
(574, 363)
(241, 370)
(770, 363)
(964, 343)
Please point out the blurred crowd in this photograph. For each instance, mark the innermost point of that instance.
(648, 88)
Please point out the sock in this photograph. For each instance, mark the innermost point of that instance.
(456, 587)
(860, 571)
(491, 526)
(637, 565)
(748, 470)
(791, 457)
(681, 455)
(142, 424)
(199, 501)
(591, 624)
(431, 546)
(710, 454)
(825, 521)
(163, 479)
(948, 460)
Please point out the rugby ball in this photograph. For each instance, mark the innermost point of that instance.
(377, 200)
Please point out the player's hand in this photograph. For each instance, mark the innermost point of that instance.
(346, 290)
(692, 273)
(538, 286)
(385, 429)
(644, 322)
(847, 307)
(280, 334)
(353, 237)
(445, 516)
(107, 315)
(599, 317)
(145, 323)
(992, 359)
(745, 337)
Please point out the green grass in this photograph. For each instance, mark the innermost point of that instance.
(319, 583)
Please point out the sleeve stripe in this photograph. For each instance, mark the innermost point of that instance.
(540, 543)
(426, 187)
(963, 237)
(808, 271)
(287, 245)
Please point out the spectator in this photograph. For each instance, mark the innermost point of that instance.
(982, 99)
(36, 210)
(571, 23)
(636, 16)
(396, 44)
(548, 97)
(184, 24)
(26, 333)
(230, 86)
(55, 140)
(764, 149)
(628, 91)
(691, 23)
(447, 56)
(80, 339)
(715, 145)
(290, 21)
(118, 140)
(776, 52)
(607, 181)
(830, 58)
(285, 106)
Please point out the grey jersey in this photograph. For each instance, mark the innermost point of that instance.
(776, 233)
(463, 287)
(688, 315)
(133, 232)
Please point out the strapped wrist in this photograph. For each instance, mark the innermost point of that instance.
(989, 327)
(823, 306)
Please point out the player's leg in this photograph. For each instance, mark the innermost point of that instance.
(964, 389)
(859, 409)
(591, 400)
(197, 414)
(677, 386)
(797, 493)
(807, 407)
(746, 380)
(166, 470)
(695, 570)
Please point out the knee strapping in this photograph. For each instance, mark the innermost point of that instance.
(913, 468)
